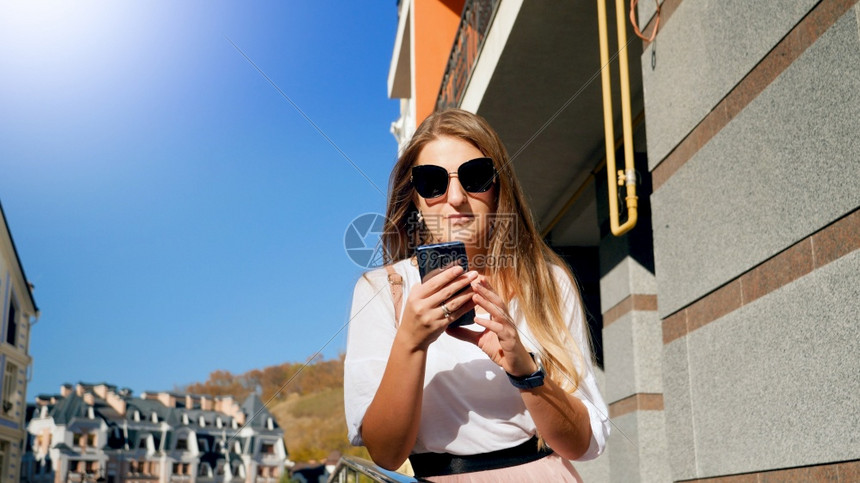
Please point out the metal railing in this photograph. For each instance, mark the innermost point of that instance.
(474, 24)
(357, 470)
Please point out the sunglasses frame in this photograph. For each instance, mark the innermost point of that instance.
(486, 187)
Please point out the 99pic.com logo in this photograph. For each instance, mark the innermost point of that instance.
(363, 240)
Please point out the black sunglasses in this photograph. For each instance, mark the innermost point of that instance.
(476, 176)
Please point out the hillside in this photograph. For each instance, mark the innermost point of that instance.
(305, 399)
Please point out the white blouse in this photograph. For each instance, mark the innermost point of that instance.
(469, 406)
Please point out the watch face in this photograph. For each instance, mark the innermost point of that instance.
(538, 360)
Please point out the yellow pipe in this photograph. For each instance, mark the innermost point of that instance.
(628, 176)
(581, 189)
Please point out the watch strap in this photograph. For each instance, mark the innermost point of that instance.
(530, 381)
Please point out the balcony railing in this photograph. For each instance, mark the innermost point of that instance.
(357, 470)
(474, 24)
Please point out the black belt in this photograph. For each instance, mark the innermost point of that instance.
(438, 464)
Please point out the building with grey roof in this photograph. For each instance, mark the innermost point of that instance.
(96, 432)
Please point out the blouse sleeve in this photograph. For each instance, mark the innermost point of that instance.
(369, 338)
(587, 392)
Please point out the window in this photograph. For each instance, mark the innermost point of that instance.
(12, 326)
(202, 445)
(92, 467)
(204, 469)
(10, 388)
(268, 448)
(182, 444)
(91, 440)
(142, 467)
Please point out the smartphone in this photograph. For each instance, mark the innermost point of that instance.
(432, 259)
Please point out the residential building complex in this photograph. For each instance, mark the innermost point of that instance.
(724, 293)
(96, 432)
(18, 312)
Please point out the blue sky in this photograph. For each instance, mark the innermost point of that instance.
(176, 214)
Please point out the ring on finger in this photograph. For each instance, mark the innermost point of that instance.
(446, 312)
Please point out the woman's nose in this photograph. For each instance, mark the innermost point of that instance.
(456, 193)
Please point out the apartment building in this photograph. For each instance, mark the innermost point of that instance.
(18, 312)
(96, 432)
(724, 294)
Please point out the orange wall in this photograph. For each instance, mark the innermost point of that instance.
(436, 23)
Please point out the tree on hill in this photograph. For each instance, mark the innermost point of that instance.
(305, 398)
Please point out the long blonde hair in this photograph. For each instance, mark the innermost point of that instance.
(529, 277)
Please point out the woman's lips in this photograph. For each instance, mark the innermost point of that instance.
(460, 219)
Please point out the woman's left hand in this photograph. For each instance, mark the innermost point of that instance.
(500, 339)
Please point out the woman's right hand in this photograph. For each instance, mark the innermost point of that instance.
(423, 319)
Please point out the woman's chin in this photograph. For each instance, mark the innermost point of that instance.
(469, 239)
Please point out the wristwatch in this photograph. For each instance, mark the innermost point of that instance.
(532, 380)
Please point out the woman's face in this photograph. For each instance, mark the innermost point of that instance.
(457, 214)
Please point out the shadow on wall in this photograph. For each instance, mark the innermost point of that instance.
(638, 243)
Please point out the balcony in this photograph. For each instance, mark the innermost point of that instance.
(474, 25)
(532, 70)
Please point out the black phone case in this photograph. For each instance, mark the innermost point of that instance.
(441, 255)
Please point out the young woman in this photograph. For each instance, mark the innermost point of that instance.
(511, 397)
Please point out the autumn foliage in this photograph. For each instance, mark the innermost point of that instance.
(275, 383)
(305, 398)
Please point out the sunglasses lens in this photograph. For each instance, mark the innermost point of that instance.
(477, 175)
(430, 181)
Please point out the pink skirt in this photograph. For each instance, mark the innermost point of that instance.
(552, 468)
